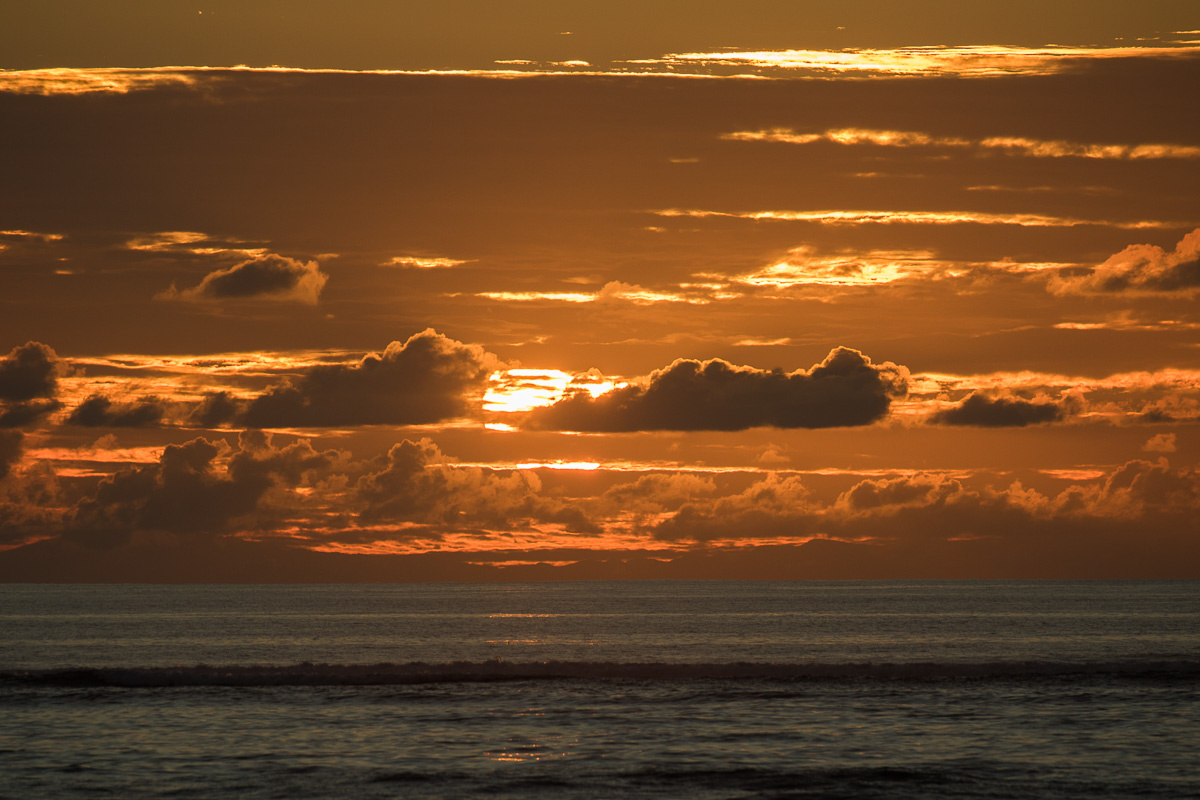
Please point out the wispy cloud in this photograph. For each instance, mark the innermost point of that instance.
(1007, 145)
(856, 217)
(985, 61)
(423, 262)
(618, 291)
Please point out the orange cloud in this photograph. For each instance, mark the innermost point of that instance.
(1141, 269)
(268, 277)
(984, 61)
(424, 262)
(1011, 145)
(847, 217)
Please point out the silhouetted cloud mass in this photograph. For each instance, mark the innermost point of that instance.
(187, 491)
(28, 372)
(999, 412)
(10, 450)
(415, 485)
(269, 277)
(845, 389)
(18, 415)
(425, 379)
(930, 508)
(215, 409)
(98, 411)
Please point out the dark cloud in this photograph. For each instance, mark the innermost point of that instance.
(845, 389)
(18, 415)
(919, 509)
(425, 379)
(29, 372)
(1141, 268)
(10, 450)
(98, 411)
(215, 409)
(189, 492)
(999, 412)
(416, 485)
(271, 276)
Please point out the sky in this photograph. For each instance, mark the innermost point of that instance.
(369, 291)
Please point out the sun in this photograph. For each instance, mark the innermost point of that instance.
(516, 390)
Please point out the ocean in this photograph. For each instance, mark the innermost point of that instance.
(697, 689)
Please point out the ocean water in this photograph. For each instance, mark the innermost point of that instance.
(700, 689)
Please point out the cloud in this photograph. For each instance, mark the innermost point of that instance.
(897, 514)
(999, 412)
(19, 415)
(215, 409)
(423, 262)
(416, 485)
(10, 450)
(777, 506)
(1160, 443)
(918, 489)
(28, 372)
(845, 389)
(98, 411)
(425, 379)
(83, 81)
(268, 277)
(1141, 269)
(188, 492)
(1171, 407)
(1014, 145)
(883, 217)
(973, 61)
(657, 492)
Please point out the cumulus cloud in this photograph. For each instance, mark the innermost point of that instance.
(425, 379)
(845, 389)
(189, 492)
(999, 412)
(776, 506)
(416, 485)
(98, 411)
(29, 372)
(19, 415)
(919, 509)
(268, 277)
(215, 409)
(28, 383)
(1171, 407)
(1141, 269)
(879, 493)
(1161, 443)
(10, 450)
(658, 492)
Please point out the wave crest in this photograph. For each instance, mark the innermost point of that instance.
(308, 674)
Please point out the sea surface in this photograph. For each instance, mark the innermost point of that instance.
(697, 689)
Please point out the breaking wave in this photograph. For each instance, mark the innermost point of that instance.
(307, 674)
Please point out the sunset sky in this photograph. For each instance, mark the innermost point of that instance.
(470, 290)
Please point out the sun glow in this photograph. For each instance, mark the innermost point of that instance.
(516, 390)
(524, 389)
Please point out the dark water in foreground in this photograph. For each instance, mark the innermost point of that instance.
(658, 689)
